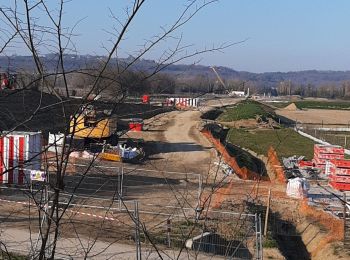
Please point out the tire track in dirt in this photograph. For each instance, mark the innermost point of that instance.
(183, 147)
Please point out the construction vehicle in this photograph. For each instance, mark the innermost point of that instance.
(130, 150)
(98, 129)
(110, 153)
(91, 124)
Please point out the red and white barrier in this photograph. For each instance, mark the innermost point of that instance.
(19, 153)
(182, 102)
(68, 210)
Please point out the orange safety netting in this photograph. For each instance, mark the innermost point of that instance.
(275, 164)
(221, 194)
(243, 172)
(335, 226)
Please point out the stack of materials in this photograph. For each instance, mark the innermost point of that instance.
(324, 153)
(339, 177)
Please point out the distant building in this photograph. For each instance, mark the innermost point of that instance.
(237, 93)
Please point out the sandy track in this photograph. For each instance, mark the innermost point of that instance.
(317, 116)
(176, 143)
(184, 145)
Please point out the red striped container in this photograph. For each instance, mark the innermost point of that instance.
(339, 171)
(19, 153)
(339, 178)
(340, 186)
(328, 156)
(305, 164)
(319, 148)
(341, 163)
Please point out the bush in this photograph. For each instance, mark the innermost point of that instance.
(269, 242)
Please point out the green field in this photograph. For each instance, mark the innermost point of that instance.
(309, 104)
(247, 109)
(286, 141)
(323, 104)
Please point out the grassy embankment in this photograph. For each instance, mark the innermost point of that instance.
(286, 141)
(247, 109)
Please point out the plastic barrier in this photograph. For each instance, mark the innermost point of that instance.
(243, 172)
(275, 164)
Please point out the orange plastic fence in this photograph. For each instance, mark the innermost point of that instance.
(221, 194)
(243, 172)
(335, 226)
(275, 164)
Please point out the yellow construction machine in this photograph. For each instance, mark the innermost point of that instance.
(92, 124)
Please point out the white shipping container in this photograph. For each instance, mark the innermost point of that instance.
(20, 152)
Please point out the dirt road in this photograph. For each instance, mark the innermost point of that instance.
(21, 241)
(176, 144)
(183, 146)
(175, 141)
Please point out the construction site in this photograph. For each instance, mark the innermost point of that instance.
(177, 177)
(120, 139)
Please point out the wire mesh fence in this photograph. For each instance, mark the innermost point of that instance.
(227, 234)
(135, 184)
(336, 135)
(174, 222)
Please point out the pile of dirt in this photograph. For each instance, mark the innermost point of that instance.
(30, 110)
(291, 107)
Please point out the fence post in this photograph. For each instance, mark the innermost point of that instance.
(120, 185)
(258, 244)
(137, 231)
(344, 215)
(200, 183)
(267, 213)
(256, 235)
(119, 195)
(345, 141)
(121, 182)
(168, 229)
(260, 240)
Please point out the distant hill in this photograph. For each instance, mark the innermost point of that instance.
(267, 79)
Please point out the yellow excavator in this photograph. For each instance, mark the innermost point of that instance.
(92, 124)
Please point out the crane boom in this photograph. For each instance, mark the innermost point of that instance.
(219, 78)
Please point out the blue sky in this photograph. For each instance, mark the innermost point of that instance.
(283, 35)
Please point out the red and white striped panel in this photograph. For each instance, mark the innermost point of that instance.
(15, 150)
(186, 102)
